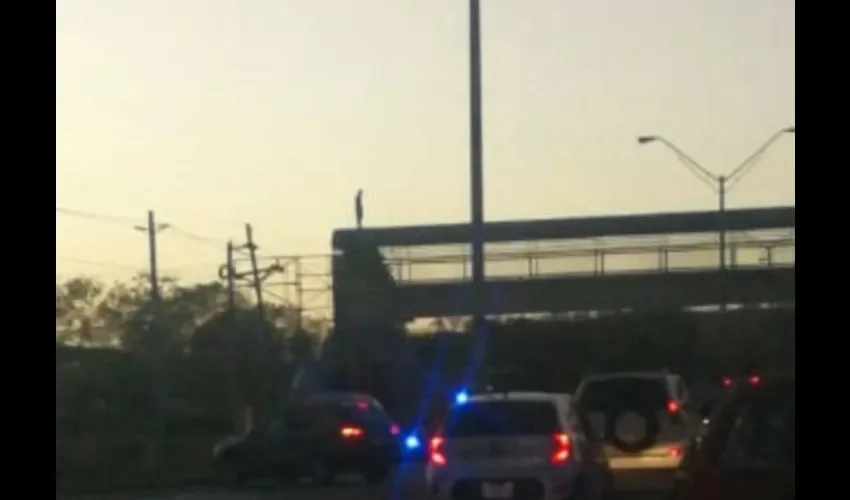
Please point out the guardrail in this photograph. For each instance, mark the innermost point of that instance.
(778, 252)
(580, 274)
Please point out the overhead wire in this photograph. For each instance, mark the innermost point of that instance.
(122, 221)
(99, 263)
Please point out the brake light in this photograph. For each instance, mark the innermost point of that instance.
(436, 455)
(673, 406)
(362, 405)
(563, 448)
(351, 432)
(726, 382)
(395, 430)
(754, 380)
(675, 451)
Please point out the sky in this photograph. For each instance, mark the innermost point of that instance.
(215, 113)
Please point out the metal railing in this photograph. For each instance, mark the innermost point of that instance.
(628, 259)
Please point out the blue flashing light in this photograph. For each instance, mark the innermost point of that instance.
(461, 398)
(412, 442)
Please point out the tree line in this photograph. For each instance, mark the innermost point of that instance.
(189, 318)
(121, 359)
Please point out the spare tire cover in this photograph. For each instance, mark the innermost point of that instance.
(632, 430)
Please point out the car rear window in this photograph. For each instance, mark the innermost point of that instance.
(763, 434)
(608, 394)
(502, 418)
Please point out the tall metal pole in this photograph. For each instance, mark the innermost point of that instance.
(721, 214)
(722, 184)
(476, 173)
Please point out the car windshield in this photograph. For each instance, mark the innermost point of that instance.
(764, 432)
(602, 395)
(502, 418)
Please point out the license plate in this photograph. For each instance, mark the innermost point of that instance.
(497, 490)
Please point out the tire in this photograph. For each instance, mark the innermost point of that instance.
(650, 437)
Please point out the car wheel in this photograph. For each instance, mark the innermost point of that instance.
(321, 472)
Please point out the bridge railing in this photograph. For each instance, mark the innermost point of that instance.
(627, 259)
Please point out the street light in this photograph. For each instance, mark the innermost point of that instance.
(719, 183)
(476, 165)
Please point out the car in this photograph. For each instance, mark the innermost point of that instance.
(321, 437)
(514, 445)
(748, 450)
(641, 418)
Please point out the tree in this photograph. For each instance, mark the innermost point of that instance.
(77, 303)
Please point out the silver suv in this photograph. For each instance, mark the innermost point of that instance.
(643, 425)
(514, 445)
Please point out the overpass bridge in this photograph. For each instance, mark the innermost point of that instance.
(560, 265)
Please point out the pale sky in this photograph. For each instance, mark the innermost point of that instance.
(274, 112)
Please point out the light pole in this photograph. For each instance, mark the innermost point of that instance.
(476, 173)
(721, 184)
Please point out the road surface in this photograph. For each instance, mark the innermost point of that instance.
(334, 493)
(407, 484)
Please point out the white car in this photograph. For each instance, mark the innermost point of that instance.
(523, 446)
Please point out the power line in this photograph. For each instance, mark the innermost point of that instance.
(101, 263)
(103, 218)
(216, 243)
(132, 223)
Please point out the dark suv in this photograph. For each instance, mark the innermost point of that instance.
(749, 448)
(324, 436)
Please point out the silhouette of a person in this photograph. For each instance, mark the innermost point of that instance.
(358, 208)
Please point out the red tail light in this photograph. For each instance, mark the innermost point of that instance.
(726, 382)
(674, 451)
(563, 448)
(435, 452)
(673, 407)
(754, 380)
(351, 432)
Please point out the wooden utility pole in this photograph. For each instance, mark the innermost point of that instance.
(255, 271)
(152, 230)
(230, 276)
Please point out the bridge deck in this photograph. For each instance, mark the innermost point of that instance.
(691, 288)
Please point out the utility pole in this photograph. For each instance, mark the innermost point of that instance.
(152, 229)
(230, 340)
(230, 276)
(299, 294)
(255, 271)
(157, 341)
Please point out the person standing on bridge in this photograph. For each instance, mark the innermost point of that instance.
(358, 208)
